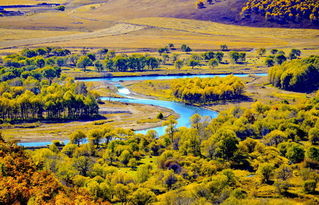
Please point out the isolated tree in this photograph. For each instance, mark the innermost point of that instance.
(224, 47)
(296, 52)
(186, 48)
(179, 64)
(95, 136)
(171, 46)
(261, 52)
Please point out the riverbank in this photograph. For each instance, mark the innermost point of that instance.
(257, 89)
(117, 114)
(165, 72)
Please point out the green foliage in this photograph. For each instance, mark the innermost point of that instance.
(60, 8)
(310, 186)
(83, 62)
(185, 48)
(237, 57)
(265, 171)
(212, 63)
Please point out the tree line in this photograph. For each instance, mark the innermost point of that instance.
(296, 75)
(207, 90)
(31, 90)
(283, 11)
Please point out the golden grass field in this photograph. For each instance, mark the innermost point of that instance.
(91, 23)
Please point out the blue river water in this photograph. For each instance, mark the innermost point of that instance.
(185, 111)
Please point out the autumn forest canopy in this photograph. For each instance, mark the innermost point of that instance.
(283, 11)
(164, 102)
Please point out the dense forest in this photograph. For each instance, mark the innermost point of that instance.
(283, 11)
(206, 90)
(296, 75)
(241, 156)
(22, 182)
(32, 90)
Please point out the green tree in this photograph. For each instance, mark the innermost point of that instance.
(280, 58)
(310, 186)
(185, 48)
(314, 135)
(98, 65)
(313, 153)
(83, 165)
(224, 47)
(261, 51)
(284, 172)
(125, 157)
(295, 153)
(142, 196)
(274, 51)
(265, 171)
(170, 124)
(83, 62)
(219, 56)
(269, 62)
(212, 63)
(77, 137)
(179, 64)
(193, 63)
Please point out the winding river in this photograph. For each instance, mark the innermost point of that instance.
(185, 111)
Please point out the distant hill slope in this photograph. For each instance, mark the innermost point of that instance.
(240, 12)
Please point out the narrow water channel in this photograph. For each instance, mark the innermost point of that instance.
(185, 111)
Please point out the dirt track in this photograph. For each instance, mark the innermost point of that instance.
(117, 29)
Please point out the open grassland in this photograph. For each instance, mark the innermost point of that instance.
(122, 30)
(130, 116)
(18, 34)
